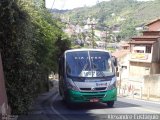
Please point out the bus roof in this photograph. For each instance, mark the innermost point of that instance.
(85, 49)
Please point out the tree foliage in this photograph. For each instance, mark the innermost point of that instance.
(28, 44)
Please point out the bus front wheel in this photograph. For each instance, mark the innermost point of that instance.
(64, 98)
(60, 92)
(68, 103)
(110, 104)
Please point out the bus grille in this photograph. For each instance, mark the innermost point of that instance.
(88, 97)
(89, 89)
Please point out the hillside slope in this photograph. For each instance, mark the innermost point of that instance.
(127, 14)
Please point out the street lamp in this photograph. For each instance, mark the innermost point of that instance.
(92, 23)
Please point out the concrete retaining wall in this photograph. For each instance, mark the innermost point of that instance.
(152, 85)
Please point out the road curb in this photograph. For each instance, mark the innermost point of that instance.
(127, 97)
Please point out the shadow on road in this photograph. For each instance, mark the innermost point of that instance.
(48, 108)
(90, 106)
(82, 111)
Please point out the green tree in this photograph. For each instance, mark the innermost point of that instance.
(128, 29)
(28, 39)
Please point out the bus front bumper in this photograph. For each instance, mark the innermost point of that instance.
(81, 97)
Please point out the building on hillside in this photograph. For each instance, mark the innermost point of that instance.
(138, 58)
(145, 55)
(116, 28)
(70, 30)
(124, 46)
(140, 27)
(154, 25)
(122, 55)
(100, 44)
(145, 52)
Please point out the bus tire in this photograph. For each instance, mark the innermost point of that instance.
(110, 104)
(60, 92)
(64, 99)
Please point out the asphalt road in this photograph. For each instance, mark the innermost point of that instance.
(49, 106)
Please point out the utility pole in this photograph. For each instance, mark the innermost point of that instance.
(44, 3)
(92, 23)
(107, 32)
(92, 35)
(106, 40)
(52, 5)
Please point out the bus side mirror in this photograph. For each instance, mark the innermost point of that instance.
(114, 61)
(117, 73)
(116, 69)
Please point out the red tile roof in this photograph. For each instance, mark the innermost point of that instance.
(120, 53)
(151, 31)
(146, 37)
(152, 22)
(123, 45)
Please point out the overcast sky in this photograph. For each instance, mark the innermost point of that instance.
(70, 4)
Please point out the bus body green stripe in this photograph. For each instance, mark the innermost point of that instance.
(76, 96)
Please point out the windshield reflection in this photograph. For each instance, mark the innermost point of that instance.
(89, 64)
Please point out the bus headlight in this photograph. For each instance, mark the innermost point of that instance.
(70, 85)
(112, 84)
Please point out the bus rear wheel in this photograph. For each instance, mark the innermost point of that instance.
(110, 104)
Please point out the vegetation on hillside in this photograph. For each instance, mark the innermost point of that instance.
(128, 14)
(30, 44)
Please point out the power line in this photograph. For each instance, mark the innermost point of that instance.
(53, 4)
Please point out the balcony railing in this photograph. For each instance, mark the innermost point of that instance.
(141, 57)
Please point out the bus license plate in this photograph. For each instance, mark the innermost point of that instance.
(94, 100)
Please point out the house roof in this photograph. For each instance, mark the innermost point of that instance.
(126, 44)
(150, 31)
(142, 42)
(146, 37)
(120, 53)
(152, 22)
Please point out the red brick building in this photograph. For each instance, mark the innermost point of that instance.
(154, 25)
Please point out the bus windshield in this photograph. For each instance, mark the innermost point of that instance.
(89, 64)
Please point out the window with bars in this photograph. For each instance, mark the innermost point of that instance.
(148, 49)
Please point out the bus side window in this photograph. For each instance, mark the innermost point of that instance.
(68, 70)
(108, 65)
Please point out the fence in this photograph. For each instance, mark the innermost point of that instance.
(148, 88)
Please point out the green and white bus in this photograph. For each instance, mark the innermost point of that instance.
(87, 75)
